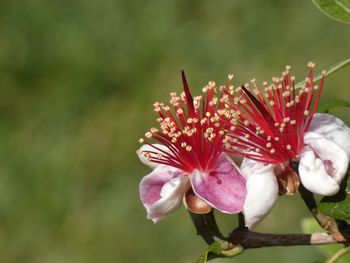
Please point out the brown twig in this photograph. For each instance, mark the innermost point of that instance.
(334, 227)
(248, 239)
(243, 238)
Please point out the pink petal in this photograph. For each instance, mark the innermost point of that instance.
(333, 129)
(323, 164)
(262, 191)
(147, 148)
(223, 188)
(162, 191)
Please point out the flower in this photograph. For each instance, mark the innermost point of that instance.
(283, 141)
(189, 157)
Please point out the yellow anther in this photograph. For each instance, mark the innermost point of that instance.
(179, 111)
(188, 148)
(311, 64)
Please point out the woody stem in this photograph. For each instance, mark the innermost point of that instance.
(331, 225)
(206, 226)
(249, 239)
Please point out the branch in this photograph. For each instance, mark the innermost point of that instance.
(242, 238)
(331, 225)
(248, 239)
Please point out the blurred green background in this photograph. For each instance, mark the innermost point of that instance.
(77, 83)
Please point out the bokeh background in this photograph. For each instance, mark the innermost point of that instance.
(77, 83)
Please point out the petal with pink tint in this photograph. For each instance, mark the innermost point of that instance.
(162, 191)
(332, 128)
(155, 148)
(314, 176)
(335, 159)
(323, 164)
(223, 188)
(262, 191)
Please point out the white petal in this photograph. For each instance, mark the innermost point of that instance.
(334, 158)
(262, 191)
(249, 166)
(314, 176)
(162, 190)
(146, 148)
(333, 129)
(171, 196)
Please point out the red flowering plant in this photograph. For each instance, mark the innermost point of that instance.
(286, 147)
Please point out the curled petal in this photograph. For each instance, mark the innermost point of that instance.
(314, 176)
(333, 129)
(335, 159)
(323, 164)
(262, 191)
(162, 191)
(223, 188)
(154, 149)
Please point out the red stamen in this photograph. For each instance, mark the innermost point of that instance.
(191, 130)
(270, 128)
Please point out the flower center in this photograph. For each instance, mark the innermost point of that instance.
(191, 130)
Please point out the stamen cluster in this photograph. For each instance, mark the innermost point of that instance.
(191, 129)
(265, 125)
(269, 125)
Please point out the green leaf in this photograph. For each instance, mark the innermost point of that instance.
(341, 256)
(213, 248)
(221, 249)
(338, 205)
(332, 104)
(336, 9)
(329, 72)
(309, 226)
